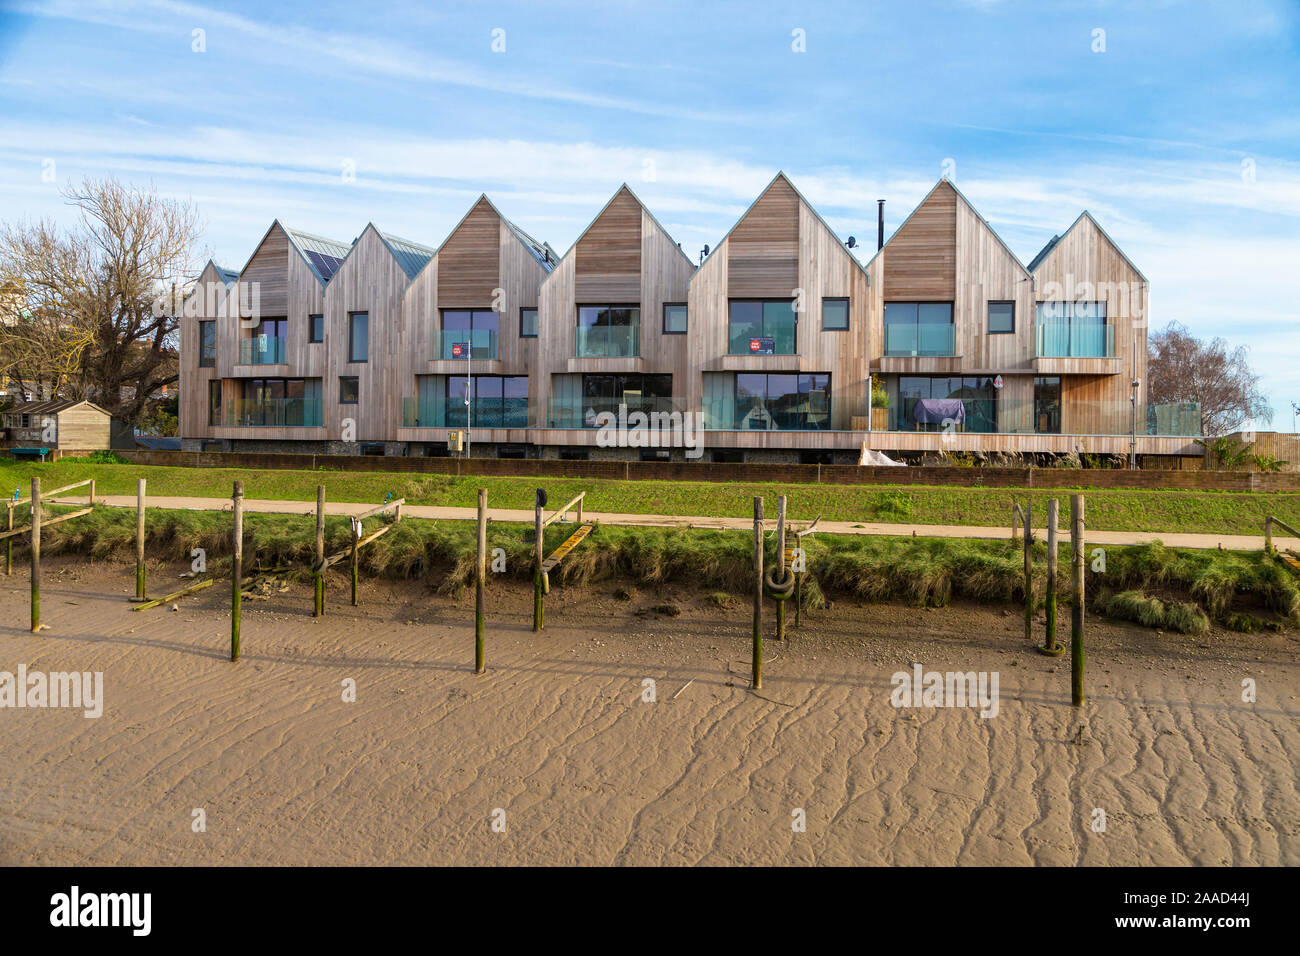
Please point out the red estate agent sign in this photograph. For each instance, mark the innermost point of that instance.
(765, 346)
(459, 349)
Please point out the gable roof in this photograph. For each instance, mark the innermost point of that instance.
(545, 256)
(1047, 249)
(410, 256)
(781, 177)
(945, 181)
(52, 406)
(228, 276)
(637, 199)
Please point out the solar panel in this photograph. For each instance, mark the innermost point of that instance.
(325, 265)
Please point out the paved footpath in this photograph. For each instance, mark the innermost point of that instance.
(1234, 542)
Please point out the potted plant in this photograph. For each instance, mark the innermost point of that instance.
(879, 409)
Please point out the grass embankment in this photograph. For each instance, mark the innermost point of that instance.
(1155, 585)
(1155, 510)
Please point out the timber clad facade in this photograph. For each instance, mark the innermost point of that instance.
(777, 341)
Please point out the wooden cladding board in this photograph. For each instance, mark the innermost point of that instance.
(268, 273)
(607, 259)
(921, 258)
(763, 249)
(469, 261)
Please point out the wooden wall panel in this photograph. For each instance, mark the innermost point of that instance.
(763, 248)
(470, 261)
(607, 258)
(921, 258)
(987, 272)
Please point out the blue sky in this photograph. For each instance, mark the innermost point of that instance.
(1182, 137)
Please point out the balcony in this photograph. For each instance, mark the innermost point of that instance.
(582, 412)
(607, 341)
(1073, 340)
(273, 413)
(486, 413)
(482, 343)
(262, 350)
(908, 340)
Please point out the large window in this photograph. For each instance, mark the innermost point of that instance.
(935, 403)
(207, 344)
(1047, 405)
(277, 401)
(608, 331)
(1073, 330)
(500, 401)
(477, 328)
(214, 402)
(528, 323)
(266, 344)
(919, 328)
(675, 318)
(358, 336)
(640, 393)
(1002, 317)
(835, 315)
(778, 401)
(754, 320)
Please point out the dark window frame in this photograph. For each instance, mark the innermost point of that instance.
(989, 317)
(676, 305)
(536, 322)
(206, 361)
(352, 318)
(214, 389)
(350, 378)
(848, 319)
(311, 329)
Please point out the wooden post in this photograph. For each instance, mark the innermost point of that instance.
(1029, 572)
(798, 584)
(480, 579)
(90, 497)
(1053, 517)
(538, 556)
(237, 570)
(758, 594)
(318, 579)
(9, 543)
(580, 509)
(36, 554)
(139, 540)
(356, 537)
(780, 564)
(1076, 620)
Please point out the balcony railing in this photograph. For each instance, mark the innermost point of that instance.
(582, 413)
(1073, 340)
(482, 343)
(487, 413)
(1003, 416)
(273, 412)
(618, 341)
(261, 350)
(906, 339)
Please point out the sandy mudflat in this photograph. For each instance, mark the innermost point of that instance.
(556, 734)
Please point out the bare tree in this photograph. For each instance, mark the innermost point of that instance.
(1183, 368)
(110, 288)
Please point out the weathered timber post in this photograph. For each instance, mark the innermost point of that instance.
(36, 554)
(1049, 646)
(356, 538)
(237, 570)
(90, 496)
(139, 540)
(1076, 620)
(9, 543)
(1029, 572)
(538, 558)
(480, 579)
(780, 564)
(757, 677)
(318, 578)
